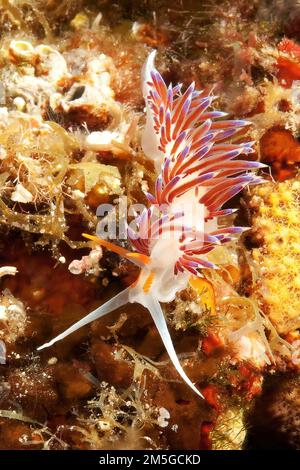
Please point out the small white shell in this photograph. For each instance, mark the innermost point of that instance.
(19, 103)
(8, 271)
(163, 418)
(51, 63)
(98, 141)
(22, 50)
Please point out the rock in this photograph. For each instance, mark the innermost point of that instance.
(116, 372)
(71, 382)
(33, 388)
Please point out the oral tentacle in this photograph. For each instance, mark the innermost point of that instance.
(118, 301)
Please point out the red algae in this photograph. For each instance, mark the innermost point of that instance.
(280, 149)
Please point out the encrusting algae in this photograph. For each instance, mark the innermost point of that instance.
(275, 218)
(74, 135)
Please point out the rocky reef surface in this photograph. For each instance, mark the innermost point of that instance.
(71, 117)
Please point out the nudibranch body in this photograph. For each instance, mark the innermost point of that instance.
(197, 169)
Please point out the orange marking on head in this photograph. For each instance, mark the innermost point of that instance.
(144, 259)
(148, 283)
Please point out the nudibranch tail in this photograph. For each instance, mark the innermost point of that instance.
(118, 301)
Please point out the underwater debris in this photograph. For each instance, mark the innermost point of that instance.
(245, 331)
(195, 307)
(106, 175)
(87, 264)
(114, 420)
(13, 317)
(125, 421)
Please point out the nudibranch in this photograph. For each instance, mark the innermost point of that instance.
(197, 167)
